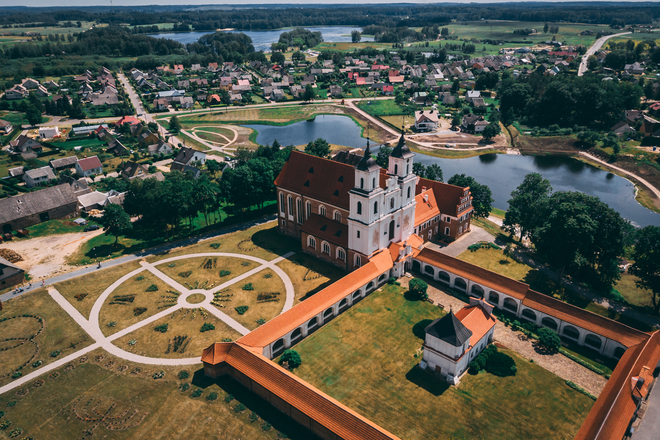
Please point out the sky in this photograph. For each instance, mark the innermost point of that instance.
(36, 3)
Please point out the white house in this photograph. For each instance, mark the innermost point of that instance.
(426, 120)
(48, 132)
(5, 127)
(38, 176)
(89, 166)
(471, 94)
(455, 340)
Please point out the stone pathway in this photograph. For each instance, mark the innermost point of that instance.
(518, 342)
(457, 247)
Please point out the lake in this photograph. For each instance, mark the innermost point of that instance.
(261, 40)
(500, 172)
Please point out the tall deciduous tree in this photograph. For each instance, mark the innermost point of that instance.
(383, 156)
(175, 125)
(491, 130)
(116, 222)
(647, 262)
(482, 197)
(434, 172)
(524, 213)
(308, 94)
(319, 147)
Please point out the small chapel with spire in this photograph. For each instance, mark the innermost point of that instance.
(347, 209)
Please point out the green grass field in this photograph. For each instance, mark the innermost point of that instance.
(366, 358)
(382, 107)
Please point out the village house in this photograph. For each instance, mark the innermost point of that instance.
(10, 274)
(28, 209)
(89, 166)
(473, 123)
(159, 149)
(188, 157)
(5, 127)
(426, 120)
(63, 163)
(117, 148)
(25, 146)
(16, 92)
(38, 176)
(30, 83)
(48, 132)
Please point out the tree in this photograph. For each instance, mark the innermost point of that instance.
(116, 221)
(491, 130)
(434, 172)
(213, 166)
(592, 62)
(319, 148)
(298, 56)
(419, 169)
(545, 28)
(455, 121)
(356, 36)
(277, 58)
(647, 262)
(276, 146)
(549, 339)
(33, 115)
(175, 125)
(292, 358)
(444, 32)
(417, 289)
(383, 156)
(523, 213)
(153, 126)
(482, 197)
(308, 94)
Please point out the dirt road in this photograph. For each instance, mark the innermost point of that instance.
(45, 257)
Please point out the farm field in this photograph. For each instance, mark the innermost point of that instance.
(366, 358)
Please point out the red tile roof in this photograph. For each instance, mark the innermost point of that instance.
(132, 120)
(425, 210)
(90, 163)
(216, 353)
(477, 320)
(326, 229)
(321, 179)
(611, 414)
(306, 310)
(323, 409)
(448, 196)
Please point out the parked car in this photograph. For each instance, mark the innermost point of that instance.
(91, 228)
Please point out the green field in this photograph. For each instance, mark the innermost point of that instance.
(366, 358)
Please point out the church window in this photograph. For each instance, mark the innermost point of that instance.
(291, 207)
(282, 208)
(361, 183)
(359, 208)
(322, 211)
(373, 183)
(409, 192)
(358, 234)
(309, 209)
(299, 210)
(396, 169)
(326, 248)
(375, 207)
(392, 203)
(311, 241)
(407, 169)
(341, 254)
(337, 216)
(358, 261)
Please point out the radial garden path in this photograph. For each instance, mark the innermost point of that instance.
(92, 326)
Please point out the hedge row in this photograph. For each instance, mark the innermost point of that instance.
(581, 362)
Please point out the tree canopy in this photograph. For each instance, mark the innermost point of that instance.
(482, 197)
(524, 210)
(647, 262)
(319, 147)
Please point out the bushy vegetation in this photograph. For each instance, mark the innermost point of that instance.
(494, 362)
(417, 289)
(207, 327)
(292, 358)
(549, 339)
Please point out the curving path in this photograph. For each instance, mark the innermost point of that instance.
(593, 49)
(92, 326)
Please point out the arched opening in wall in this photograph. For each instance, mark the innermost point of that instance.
(312, 325)
(444, 276)
(460, 284)
(358, 261)
(429, 270)
(311, 242)
(328, 315)
(571, 332)
(510, 305)
(618, 352)
(417, 266)
(529, 315)
(391, 231)
(477, 291)
(357, 296)
(370, 287)
(494, 298)
(343, 305)
(278, 347)
(359, 208)
(593, 341)
(550, 323)
(297, 334)
(381, 279)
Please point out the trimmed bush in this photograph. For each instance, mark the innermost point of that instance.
(229, 398)
(224, 273)
(206, 327)
(248, 286)
(292, 357)
(198, 392)
(215, 245)
(152, 288)
(500, 364)
(212, 396)
(184, 387)
(242, 309)
(475, 368)
(183, 375)
(549, 340)
(161, 328)
(417, 289)
(239, 408)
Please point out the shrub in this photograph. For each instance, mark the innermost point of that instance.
(245, 263)
(185, 274)
(292, 358)
(183, 375)
(261, 321)
(198, 392)
(215, 245)
(417, 289)
(266, 426)
(239, 408)
(161, 328)
(241, 310)
(36, 364)
(206, 327)
(549, 340)
(184, 387)
(159, 375)
(229, 398)
(112, 323)
(16, 375)
(2, 414)
(500, 364)
(248, 286)
(224, 273)
(253, 417)
(55, 353)
(578, 388)
(139, 278)
(392, 280)
(212, 396)
(227, 340)
(152, 288)
(475, 368)
(5, 424)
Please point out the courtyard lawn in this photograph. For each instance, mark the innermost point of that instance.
(56, 408)
(383, 107)
(265, 282)
(88, 288)
(131, 303)
(204, 272)
(309, 275)
(367, 357)
(60, 336)
(183, 323)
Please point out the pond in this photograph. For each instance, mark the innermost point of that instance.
(335, 129)
(500, 172)
(261, 40)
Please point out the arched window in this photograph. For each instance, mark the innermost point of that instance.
(618, 352)
(309, 209)
(529, 315)
(571, 332)
(375, 207)
(358, 261)
(359, 208)
(299, 210)
(326, 248)
(443, 276)
(407, 169)
(392, 203)
(322, 211)
(341, 254)
(460, 284)
(510, 305)
(373, 183)
(429, 270)
(549, 322)
(311, 241)
(493, 297)
(282, 206)
(337, 216)
(396, 169)
(409, 191)
(361, 183)
(290, 206)
(593, 341)
(297, 334)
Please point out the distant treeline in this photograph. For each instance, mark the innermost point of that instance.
(381, 15)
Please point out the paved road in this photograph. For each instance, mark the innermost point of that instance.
(593, 49)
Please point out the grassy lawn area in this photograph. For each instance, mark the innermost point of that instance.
(366, 358)
(383, 107)
(130, 303)
(266, 283)
(204, 272)
(56, 227)
(633, 294)
(162, 409)
(309, 275)
(190, 142)
(183, 323)
(92, 286)
(396, 120)
(448, 153)
(83, 142)
(227, 133)
(60, 336)
(273, 116)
